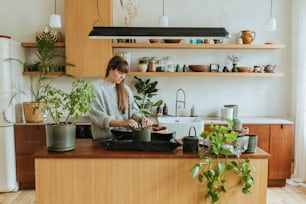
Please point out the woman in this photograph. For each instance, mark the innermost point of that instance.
(113, 104)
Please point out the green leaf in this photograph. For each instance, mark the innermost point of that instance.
(221, 167)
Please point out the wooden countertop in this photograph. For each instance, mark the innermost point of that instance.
(87, 148)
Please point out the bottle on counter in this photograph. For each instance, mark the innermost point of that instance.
(192, 111)
(165, 109)
(158, 112)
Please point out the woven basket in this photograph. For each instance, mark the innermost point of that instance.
(33, 112)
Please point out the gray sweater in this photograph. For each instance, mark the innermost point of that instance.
(104, 108)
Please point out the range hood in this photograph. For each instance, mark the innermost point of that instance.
(158, 32)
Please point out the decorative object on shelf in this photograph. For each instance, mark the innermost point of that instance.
(142, 66)
(257, 69)
(215, 164)
(244, 69)
(270, 24)
(199, 68)
(60, 133)
(146, 90)
(218, 41)
(49, 34)
(247, 36)
(214, 67)
(234, 59)
(269, 68)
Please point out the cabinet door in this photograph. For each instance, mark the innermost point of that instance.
(263, 132)
(281, 151)
(90, 56)
(28, 140)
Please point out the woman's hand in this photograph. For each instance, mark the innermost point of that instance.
(130, 123)
(146, 123)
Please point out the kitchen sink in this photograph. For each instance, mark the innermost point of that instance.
(182, 125)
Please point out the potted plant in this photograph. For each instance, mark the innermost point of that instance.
(145, 90)
(61, 132)
(47, 61)
(212, 167)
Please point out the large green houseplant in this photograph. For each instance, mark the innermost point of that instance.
(64, 109)
(47, 60)
(146, 89)
(213, 167)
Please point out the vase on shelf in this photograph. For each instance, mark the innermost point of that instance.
(234, 69)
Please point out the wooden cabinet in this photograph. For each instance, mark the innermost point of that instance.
(281, 137)
(90, 56)
(275, 139)
(28, 140)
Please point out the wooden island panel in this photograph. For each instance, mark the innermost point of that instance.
(131, 177)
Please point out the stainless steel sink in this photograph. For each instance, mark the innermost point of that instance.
(182, 125)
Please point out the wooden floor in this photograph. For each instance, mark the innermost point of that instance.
(285, 195)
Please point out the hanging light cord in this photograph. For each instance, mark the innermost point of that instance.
(271, 8)
(55, 6)
(163, 7)
(99, 21)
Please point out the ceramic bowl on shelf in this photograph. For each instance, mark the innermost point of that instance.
(172, 40)
(153, 40)
(244, 69)
(199, 68)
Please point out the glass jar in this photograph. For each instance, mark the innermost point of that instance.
(151, 66)
(160, 66)
(142, 65)
(169, 61)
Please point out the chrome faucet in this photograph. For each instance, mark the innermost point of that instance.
(177, 101)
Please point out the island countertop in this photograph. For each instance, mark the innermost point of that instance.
(88, 148)
(90, 174)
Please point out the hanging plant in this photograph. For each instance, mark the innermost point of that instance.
(212, 167)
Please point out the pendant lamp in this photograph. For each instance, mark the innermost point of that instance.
(163, 20)
(270, 24)
(55, 19)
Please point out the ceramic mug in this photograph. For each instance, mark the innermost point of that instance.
(253, 140)
(227, 113)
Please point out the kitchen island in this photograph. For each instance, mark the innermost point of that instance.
(90, 174)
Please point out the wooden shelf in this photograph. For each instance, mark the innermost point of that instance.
(33, 44)
(45, 73)
(197, 46)
(205, 74)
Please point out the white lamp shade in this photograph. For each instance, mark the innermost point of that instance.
(270, 24)
(163, 21)
(55, 21)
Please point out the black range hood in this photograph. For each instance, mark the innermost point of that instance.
(158, 32)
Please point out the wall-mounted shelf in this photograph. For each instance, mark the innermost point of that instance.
(45, 73)
(238, 74)
(197, 46)
(33, 44)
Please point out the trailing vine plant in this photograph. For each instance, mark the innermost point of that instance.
(212, 166)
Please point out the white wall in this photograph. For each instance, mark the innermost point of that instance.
(255, 96)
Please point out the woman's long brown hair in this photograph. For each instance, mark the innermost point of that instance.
(121, 65)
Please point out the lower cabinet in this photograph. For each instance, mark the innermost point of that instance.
(276, 139)
(28, 140)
